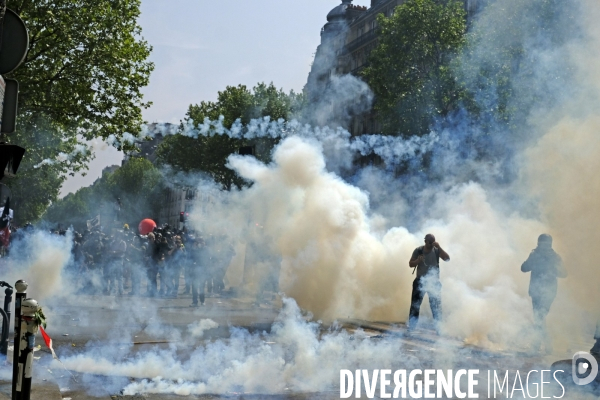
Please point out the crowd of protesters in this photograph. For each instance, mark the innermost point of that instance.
(122, 262)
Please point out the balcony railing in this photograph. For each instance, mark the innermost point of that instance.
(361, 40)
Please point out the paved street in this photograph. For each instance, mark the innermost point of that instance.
(112, 324)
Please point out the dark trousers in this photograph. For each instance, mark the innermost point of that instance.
(541, 308)
(152, 274)
(136, 278)
(173, 278)
(198, 281)
(425, 285)
(113, 276)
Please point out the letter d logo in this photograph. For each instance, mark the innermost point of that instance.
(581, 363)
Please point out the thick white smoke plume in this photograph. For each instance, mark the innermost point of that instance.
(247, 363)
(338, 256)
(336, 264)
(39, 254)
(391, 149)
(80, 149)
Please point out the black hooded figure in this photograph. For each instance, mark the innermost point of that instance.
(546, 267)
(5, 218)
(595, 351)
(5, 228)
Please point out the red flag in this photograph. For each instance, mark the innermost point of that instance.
(48, 341)
(5, 236)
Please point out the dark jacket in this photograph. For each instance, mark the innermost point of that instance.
(546, 267)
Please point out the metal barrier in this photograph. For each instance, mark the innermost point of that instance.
(18, 369)
(26, 327)
(5, 317)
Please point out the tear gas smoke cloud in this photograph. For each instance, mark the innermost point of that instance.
(335, 265)
(197, 329)
(79, 150)
(342, 246)
(40, 254)
(245, 362)
(391, 149)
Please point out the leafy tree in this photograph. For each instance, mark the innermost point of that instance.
(138, 184)
(82, 77)
(512, 60)
(86, 65)
(410, 70)
(209, 154)
(35, 187)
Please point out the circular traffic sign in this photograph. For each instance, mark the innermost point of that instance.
(15, 42)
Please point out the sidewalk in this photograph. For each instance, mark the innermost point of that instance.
(40, 390)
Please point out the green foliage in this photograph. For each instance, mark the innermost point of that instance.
(209, 154)
(138, 184)
(137, 177)
(86, 64)
(410, 70)
(512, 60)
(82, 77)
(33, 189)
(39, 318)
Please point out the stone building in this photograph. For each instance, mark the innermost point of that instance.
(147, 148)
(347, 39)
(177, 200)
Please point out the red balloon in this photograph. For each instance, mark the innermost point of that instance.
(146, 226)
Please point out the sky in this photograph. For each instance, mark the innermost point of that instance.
(201, 46)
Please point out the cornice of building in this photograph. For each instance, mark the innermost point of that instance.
(374, 9)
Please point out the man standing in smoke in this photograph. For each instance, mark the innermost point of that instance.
(113, 269)
(152, 256)
(426, 260)
(198, 260)
(546, 267)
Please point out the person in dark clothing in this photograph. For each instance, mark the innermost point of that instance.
(135, 257)
(595, 351)
(152, 258)
(426, 260)
(198, 268)
(177, 256)
(546, 267)
(94, 252)
(164, 251)
(221, 254)
(113, 268)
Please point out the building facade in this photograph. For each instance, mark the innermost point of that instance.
(176, 201)
(347, 39)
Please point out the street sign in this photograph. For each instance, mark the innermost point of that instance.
(4, 193)
(10, 158)
(15, 42)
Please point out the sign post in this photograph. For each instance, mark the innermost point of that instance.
(2, 90)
